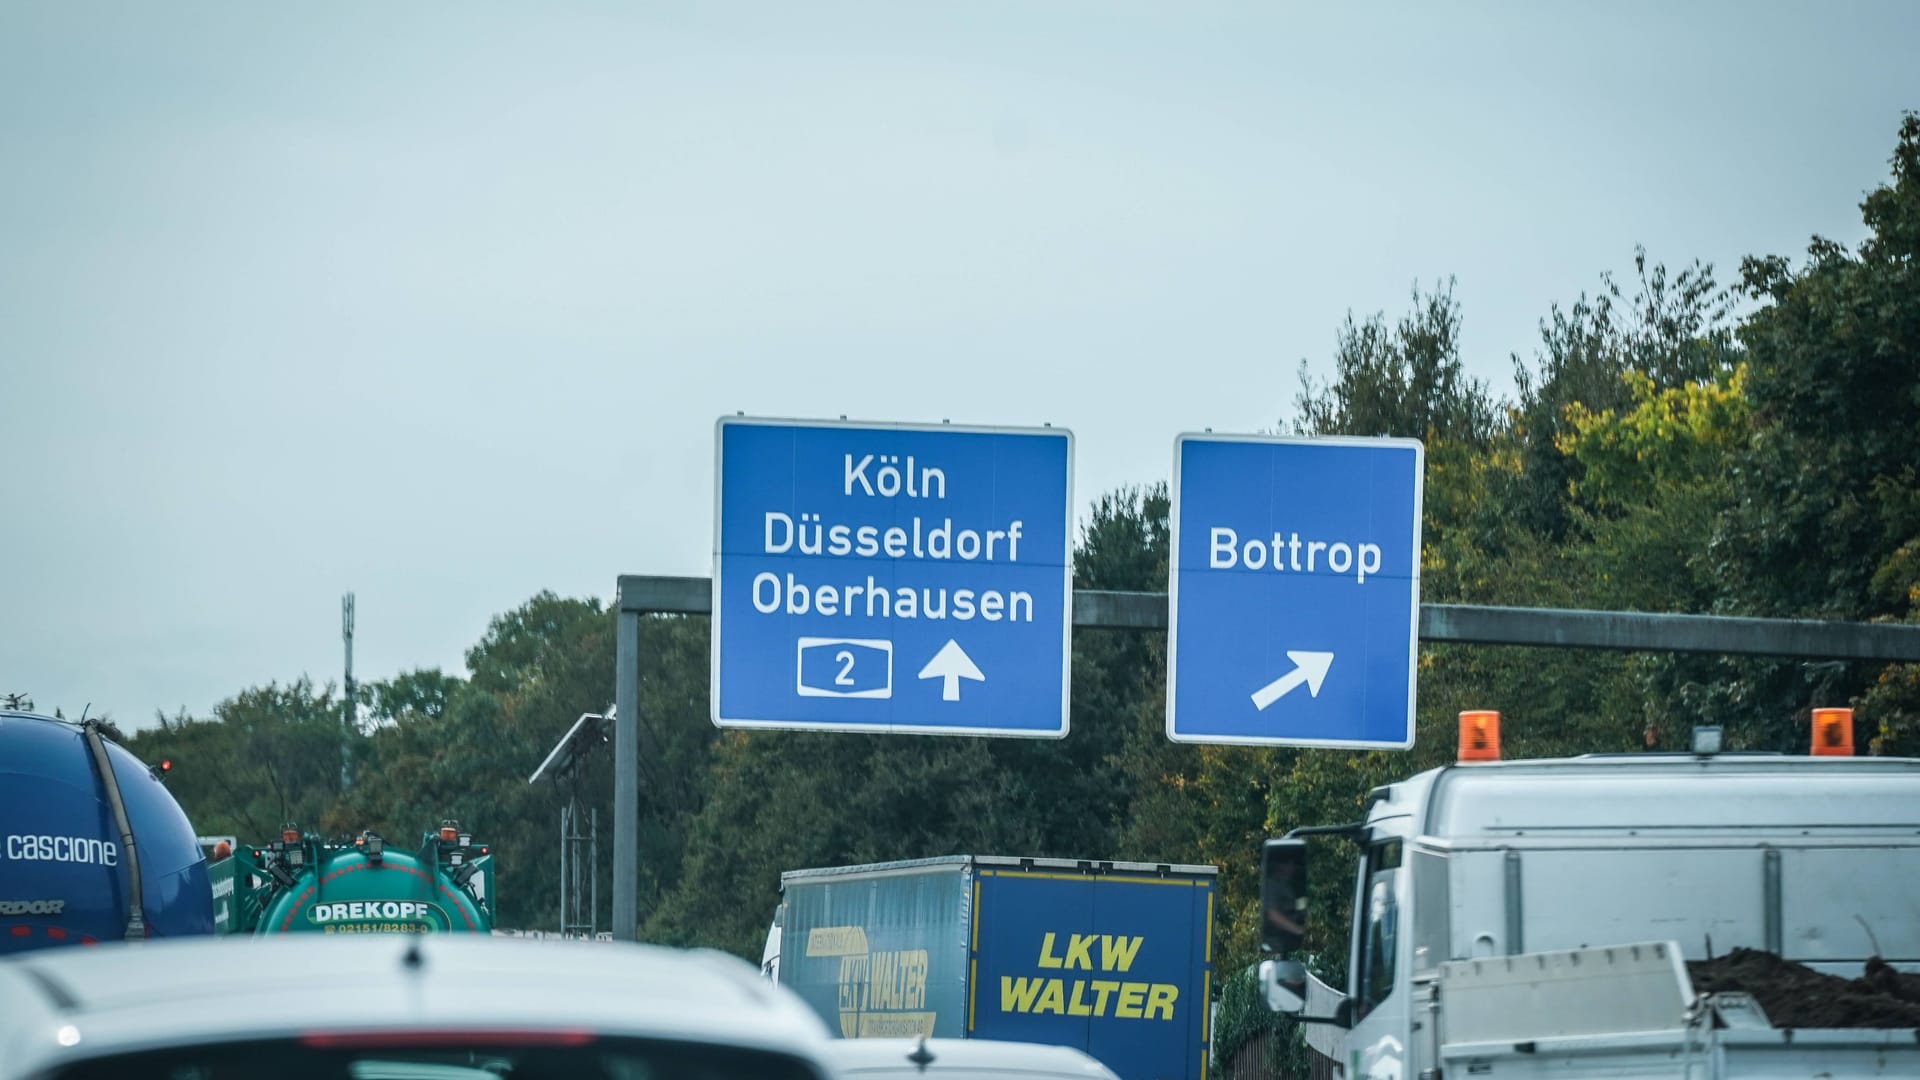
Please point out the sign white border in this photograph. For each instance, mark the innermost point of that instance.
(1066, 581)
(1413, 616)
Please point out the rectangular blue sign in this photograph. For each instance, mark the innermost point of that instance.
(892, 577)
(1294, 600)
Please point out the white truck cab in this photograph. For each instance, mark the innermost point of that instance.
(1531, 918)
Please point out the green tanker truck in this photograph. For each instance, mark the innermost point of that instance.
(302, 884)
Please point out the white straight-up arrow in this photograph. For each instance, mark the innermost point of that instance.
(1310, 668)
(952, 664)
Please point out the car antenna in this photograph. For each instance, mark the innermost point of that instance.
(921, 1056)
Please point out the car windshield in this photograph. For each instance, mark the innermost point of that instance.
(427, 1056)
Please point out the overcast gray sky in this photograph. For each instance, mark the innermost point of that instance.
(438, 303)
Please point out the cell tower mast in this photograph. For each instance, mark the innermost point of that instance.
(349, 709)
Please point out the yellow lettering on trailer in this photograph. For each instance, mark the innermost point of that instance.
(1088, 997)
(1117, 953)
(1076, 1007)
(1047, 959)
(1017, 994)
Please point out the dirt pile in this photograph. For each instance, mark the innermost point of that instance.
(1883, 977)
(1799, 997)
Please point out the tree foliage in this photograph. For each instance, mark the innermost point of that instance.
(1673, 331)
(1406, 381)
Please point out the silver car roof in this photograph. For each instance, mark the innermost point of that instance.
(852, 1057)
(118, 997)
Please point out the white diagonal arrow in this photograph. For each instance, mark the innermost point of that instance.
(952, 664)
(1310, 668)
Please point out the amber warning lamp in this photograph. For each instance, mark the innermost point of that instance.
(1833, 733)
(1479, 735)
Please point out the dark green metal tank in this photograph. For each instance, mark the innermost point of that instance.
(303, 885)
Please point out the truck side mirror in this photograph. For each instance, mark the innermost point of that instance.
(1283, 897)
(1284, 985)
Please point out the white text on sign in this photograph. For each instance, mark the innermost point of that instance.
(886, 476)
(1284, 552)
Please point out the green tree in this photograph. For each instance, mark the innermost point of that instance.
(1673, 331)
(269, 755)
(447, 748)
(1828, 474)
(531, 675)
(1407, 381)
(1653, 481)
(426, 693)
(1826, 522)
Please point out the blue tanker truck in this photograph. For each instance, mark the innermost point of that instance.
(93, 848)
(1111, 958)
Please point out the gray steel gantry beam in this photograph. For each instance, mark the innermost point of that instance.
(1805, 639)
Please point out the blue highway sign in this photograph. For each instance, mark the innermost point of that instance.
(892, 577)
(1294, 603)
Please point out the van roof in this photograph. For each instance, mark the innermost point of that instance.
(1669, 794)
